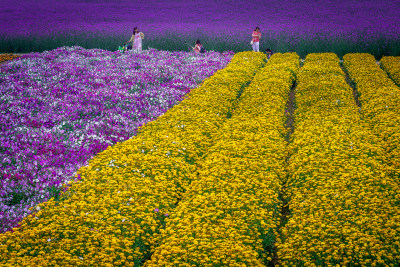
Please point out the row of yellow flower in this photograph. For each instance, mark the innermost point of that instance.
(113, 216)
(380, 100)
(392, 66)
(343, 203)
(229, 216)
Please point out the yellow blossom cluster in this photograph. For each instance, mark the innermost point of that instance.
(113, 215)
(6, 57)
(380, 100)
(392, 66)
(229, 215)
(343, 201)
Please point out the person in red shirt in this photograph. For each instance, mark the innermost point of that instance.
(256, 39)
(197, 47)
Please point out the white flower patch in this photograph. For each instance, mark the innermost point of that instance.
(111, 163)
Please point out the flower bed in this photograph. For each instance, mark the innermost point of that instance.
(343, 201)
(114, 214)
(61, 107)
(392, 66)
(380, 101)
(229, 215)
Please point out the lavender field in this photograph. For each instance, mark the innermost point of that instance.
(301, 26)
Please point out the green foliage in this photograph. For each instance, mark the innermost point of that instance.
(68, 127)
(54, 192)
(17, 196)
(303, 45)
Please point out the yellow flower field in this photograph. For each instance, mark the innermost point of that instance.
(380, 100)
(221, 180)
(229, 215)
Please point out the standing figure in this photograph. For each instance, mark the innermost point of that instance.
(256, 39)
(136, 39)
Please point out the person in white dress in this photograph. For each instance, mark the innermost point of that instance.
(136, 39)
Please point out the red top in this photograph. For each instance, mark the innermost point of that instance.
(197, 48)
(257, 38)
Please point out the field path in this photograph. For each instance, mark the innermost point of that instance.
(356, 94)
(283, 197)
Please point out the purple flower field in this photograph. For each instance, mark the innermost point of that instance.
(61, 107)
(340, 26)
(223, 17)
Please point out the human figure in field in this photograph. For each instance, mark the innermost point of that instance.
(256, 39)
(269, 53)
(198, 47)
(136, 39)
